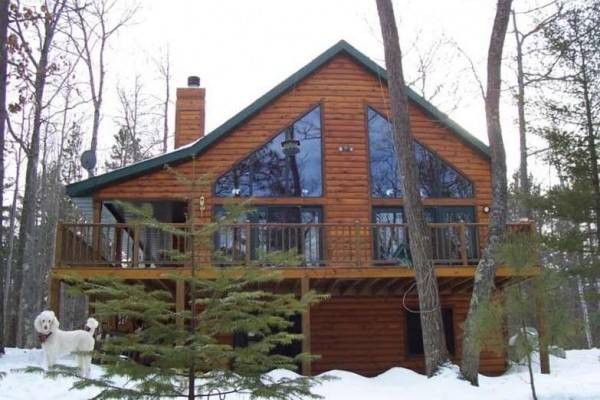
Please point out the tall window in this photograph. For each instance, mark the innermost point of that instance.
(436, 178)
(268, 172)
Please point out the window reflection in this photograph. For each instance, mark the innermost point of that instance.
(436, 178)
(389, 236)
(281, 232)
(268, 172)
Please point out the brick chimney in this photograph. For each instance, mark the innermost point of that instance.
(189, 113)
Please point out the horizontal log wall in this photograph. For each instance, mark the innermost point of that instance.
(368, 335)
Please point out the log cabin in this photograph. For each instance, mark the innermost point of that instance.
(316, 155)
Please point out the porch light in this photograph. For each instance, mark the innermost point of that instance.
(291, 147)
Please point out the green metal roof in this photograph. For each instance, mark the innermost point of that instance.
(88, 186)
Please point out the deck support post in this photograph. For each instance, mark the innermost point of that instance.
(306, 364)
(180, 302)
(135, 257)
(248, 258)
(54, 298)
(463, 244)
(544, 354)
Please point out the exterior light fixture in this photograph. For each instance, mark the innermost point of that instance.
(345, 148)
(291, 147)
(486, 209)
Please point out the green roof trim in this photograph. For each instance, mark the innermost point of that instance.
(88, 186)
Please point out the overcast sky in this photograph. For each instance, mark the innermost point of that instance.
(241, 48)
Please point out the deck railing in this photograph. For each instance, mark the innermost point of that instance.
(316, 245)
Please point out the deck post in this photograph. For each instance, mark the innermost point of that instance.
(54, 298)
(180, 303)
(118, 247)
(135, 257)
(463, 243)
(58, 245)
(248, 244)
(306, 364)
(96, 252)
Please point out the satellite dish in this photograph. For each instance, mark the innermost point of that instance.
(88, 160)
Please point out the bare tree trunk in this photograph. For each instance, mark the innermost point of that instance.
(486, 270)
(91, 19)
(524, 210)
(165, 71)
(434, 342)
(3, 117)
(11, 298)
(30, 279)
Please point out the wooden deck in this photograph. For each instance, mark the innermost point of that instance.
(318, 247)
(358, 265)
(338, 259)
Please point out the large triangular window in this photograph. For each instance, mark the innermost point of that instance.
(436, 177)
(269, 172)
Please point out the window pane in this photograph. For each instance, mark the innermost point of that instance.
(268, 172)
(385, 178)
(436, 178)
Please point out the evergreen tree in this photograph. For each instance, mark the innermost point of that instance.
(572, 205)
(125, 151)
(185, 353)
(524, 304)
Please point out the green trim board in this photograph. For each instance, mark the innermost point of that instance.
(88, 186)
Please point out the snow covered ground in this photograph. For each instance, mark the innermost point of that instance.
(575, 378)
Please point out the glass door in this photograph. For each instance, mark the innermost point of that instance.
(289, 228)
(390, 241)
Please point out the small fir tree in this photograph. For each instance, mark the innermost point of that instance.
(524, 303)
(185, 354)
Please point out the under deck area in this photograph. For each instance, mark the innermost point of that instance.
(367, 324)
